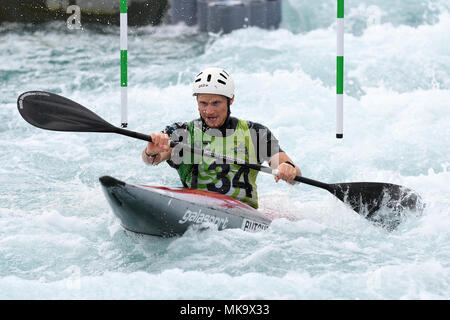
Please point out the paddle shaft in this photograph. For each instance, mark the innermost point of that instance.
(133, 134)
(210, 154)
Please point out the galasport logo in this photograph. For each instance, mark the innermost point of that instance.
(199, 217)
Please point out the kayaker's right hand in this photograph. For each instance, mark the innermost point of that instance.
(160, 143)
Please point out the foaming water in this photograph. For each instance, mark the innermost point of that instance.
(59, 239)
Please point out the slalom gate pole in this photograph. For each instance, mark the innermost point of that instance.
(340, 71)
(123, 62)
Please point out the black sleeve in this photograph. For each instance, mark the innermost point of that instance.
(265, 142)
(171, 130)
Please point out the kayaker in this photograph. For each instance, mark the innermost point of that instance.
(217, 131)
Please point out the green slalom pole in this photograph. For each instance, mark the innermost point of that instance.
(340, 71)
(123, 62)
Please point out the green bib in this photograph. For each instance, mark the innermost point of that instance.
(212, 174)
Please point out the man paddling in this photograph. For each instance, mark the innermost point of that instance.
(218, 132)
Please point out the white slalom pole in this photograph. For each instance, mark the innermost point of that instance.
(123, 62)
(340, 71)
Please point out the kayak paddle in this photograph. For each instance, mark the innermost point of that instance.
(382, 203)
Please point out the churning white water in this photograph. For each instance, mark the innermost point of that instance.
(59, 238)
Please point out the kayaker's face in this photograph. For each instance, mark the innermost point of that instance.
(213, 109)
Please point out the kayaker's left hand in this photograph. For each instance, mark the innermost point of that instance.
(286, 172)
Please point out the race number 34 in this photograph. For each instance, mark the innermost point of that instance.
(226, 184)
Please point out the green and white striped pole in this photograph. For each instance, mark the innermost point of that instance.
(123, 62)
(340, 71)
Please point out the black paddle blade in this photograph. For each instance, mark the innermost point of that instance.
(384, 204)
(50, 111)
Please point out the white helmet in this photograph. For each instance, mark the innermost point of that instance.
(214, 81)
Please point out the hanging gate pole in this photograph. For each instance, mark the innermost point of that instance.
(340, 70)
(123, 62)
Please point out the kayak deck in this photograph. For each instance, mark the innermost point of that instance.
(167, 212)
